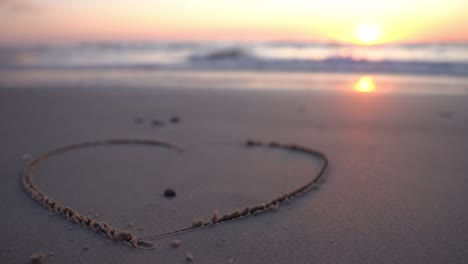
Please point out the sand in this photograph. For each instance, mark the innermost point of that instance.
(395, 191)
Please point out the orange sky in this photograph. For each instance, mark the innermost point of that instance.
(37, 21)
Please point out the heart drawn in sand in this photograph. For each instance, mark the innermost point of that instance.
(144, 243)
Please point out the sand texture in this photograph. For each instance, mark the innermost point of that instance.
(395, 190)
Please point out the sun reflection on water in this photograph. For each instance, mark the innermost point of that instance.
(364, 85)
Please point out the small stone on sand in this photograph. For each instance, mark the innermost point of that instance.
(215, 217)
(157, 123)
(445, 114)
(169, 193)
(250, 143)
(174, 119)
(138, 120)
(189, 257)
(38, 258)
(131, 224)
(197, 223)
(176, 243)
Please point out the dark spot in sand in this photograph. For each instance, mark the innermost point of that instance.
(138, 120)
(445, 114)
(274, 145)
(38, 258)
(252, 143)
(174, 119)
(169, 193)
(157, 123)
(85, 247)
(301, 109)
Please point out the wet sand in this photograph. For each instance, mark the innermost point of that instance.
(395, 191)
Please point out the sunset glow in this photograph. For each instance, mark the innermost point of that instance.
(357, 21)
(368, 33)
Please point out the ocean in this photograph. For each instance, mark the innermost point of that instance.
(118, 63)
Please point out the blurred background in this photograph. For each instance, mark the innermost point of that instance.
(363, 37)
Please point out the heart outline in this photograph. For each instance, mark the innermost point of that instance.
(143, 243)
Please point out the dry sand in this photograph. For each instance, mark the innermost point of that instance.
(395, 191)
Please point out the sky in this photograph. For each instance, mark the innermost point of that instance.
(364, 22)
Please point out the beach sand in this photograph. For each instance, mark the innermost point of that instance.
(395, 191)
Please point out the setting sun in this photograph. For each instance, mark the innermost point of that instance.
(368, 33)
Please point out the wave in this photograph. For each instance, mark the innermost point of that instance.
(431, 59)
(222, 54)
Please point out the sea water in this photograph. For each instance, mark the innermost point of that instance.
(247, 65)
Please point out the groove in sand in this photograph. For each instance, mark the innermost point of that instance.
(143, 243)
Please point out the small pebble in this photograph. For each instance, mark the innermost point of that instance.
(90, 211)
(176, 243)
(131, 224)
(301, 109)
(38, 258)
(197, 223)
(250, 143)
(189, 257)
(215, 217)
(275, 207)
(138, 120)
(174, 119)
(141, 228)
(445, 114)
(157, 123)
(169, 193)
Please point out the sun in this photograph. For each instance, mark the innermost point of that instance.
(368, 33)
